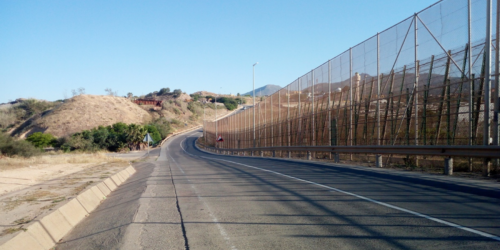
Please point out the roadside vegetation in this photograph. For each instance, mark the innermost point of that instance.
(229, 102)
(11, 147)
(117, 137)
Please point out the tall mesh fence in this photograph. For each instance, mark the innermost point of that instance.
(422, 81)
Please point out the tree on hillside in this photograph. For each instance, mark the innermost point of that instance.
(195, 97)
(110, 92)
(177, 92)
(79, 91)
(130, 95)
(164, 91)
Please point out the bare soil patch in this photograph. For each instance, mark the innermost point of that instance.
(32, 188)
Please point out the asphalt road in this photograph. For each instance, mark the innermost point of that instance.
(190, 199)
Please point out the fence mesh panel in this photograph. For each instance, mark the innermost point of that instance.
(420, 82)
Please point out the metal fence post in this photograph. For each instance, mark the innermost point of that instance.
(378, 157)
(496, 128)
(288, 120)
(299, 114)
(259, 144)
(487, 87)
(350, 101)
(264, 123)
(415, 90)
(471, 81)
(313, 125)
(272, 123)
(329, 107)
(279, 119)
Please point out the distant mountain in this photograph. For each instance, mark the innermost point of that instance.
(263, 91)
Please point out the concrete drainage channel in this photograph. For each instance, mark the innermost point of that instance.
(44, 233)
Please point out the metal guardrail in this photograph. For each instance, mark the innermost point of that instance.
(447, 151)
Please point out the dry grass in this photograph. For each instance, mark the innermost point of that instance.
(76, 158)
(11, 230)
(85, 112)
(82, 187)
(35, 196)
(23, 220)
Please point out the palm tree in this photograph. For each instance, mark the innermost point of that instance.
(135, 136)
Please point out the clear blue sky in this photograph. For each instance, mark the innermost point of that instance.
(48, 48)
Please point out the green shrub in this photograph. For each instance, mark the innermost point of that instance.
(81, 141)
(11, 147)
(176, 122)
(41, 140)
(117, 137)
(164, 91)
(195, 107)
(195, 97)
(33, 106)
(240, 100)
(177, 92)
(7, 118)
(229, 103)
(153, 132)
(163, 127)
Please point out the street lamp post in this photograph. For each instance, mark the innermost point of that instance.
(254, 103)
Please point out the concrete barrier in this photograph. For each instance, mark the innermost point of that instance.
(89, 200)
(124, 174)
(104, 189)
(73, 211)
(119, 178)
(110, 184)
(129, 170)
(116, 180)
(56, 225)
(38, 233)
(98, 193)
(23, 241)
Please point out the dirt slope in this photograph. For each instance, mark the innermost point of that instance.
(86, 112)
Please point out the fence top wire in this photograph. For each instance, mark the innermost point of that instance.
(390, 53)
(373, 37)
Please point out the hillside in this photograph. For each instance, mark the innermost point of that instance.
(84, 112)
(263, 91)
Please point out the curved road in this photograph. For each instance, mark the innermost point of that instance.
(188, 199)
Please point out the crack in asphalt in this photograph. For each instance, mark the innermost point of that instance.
(186, 244)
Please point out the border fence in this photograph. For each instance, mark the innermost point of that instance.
(428, 82)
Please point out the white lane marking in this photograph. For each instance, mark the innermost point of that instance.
(474, 231)
(177, 165)
(214, 219)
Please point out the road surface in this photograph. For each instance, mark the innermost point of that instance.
(188, 199)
